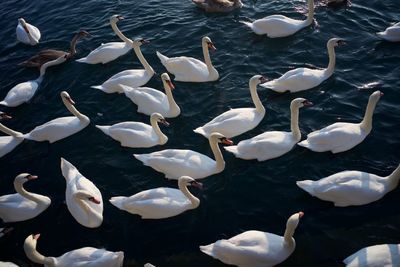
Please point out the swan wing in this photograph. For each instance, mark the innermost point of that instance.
(385, 255)
(21, 93)
(15, 207)
(133, 134)
(106, 53)
(131, 78)
(91, 257)
(149, 100)
(277, 26)
(186, 68)
(8, 143)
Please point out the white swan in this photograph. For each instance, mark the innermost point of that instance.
(62, 127)
(269, 145)
(391, 34)
(175, 163)
(23, 92)
(109, 51)
(304, 78)
(151, 101)
(83, 257)
(275, 26)
(385, 255)
(132, 78)
(23, 205)
(342, 136)
(351, 188)
(83, 198)
(256, 248)
(188, 69)
(149, 265)
(236, 121)
(7, 264)
(138, 134)
(8, 143)
(162, 202)
(27, 33)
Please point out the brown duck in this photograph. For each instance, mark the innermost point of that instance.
(50, 54)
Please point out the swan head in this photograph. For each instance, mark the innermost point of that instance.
(83, 33)
(84, 195)
(300, 102)
(30, 243)
(220, 138)
(335, 42)
(4, 116)
(116, 18)
(294, 220)
(189, 181)
(159, 118)
(24, 177)
(206, 40)
(66, 98)
(139, 42)
(375, 96)
(257, 79)
(167, 81)
(23, 24)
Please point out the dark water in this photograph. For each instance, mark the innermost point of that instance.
(248, 194)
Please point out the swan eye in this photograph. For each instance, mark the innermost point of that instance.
(263, 79)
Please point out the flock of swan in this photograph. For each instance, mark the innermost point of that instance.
(249, 249)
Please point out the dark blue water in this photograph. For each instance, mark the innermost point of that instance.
(248, 194)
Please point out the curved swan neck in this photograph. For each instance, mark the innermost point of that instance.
(73, 110)
(162, 137)
(288, 236)
(81, 203)
(173, 107)
(21, 190)
(294, 122)
(194, 200)
(394, 178)
(36, 257)
(217, 154)
(8, 131)
(119, 33)
(207, 59)
(142, 60)
(366, 123)
(254, 96)
(332, 60)
(72, 47)
(310, 16)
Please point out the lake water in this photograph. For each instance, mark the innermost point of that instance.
(247, 194)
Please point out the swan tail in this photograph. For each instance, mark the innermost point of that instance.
(82, 60)
(149, 265)
(381, 34)
(232, 149)
(247, 23)
(208, 249)
(99, 87)
(118, 202)
(304, 143)
(162, 58)
(200, 130)
(4, 103)
(67, 168)
(306, 185)
(104, 129)
(142, 157)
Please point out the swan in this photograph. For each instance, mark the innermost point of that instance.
(391, 34)
(188, 69)
(83, 198)
(23, 92)
(83, 257)
(149, 265)
(304, 78)
(351, 188)
(218, 5)
(236, 121)
(151, 101)
(342, 136)
(62, 127)
(133, 78)
(138, 134)
(23, 205)
(269, 145)
(109, 51)
(275, 26)
(50, 54)
(256, 248)
(7, 264)
(162, 202)
(175, 163)
(27, 33)
(8, 143)
(384, 255)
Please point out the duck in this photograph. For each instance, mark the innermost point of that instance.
(23, 92)
(109, 51)
(23, 205)
(276, 26)
(161, 202)
(84, 200)
(301, 79)
(62, 127)
(175, 163)
(87, 256)
(133, 78)
(188, 69)
(343, 136)
(138, 134)
(236, 121)
(256, 248)
(51, 54)
(27, 33)
(351, 188)
(150, 100)
(391, 34)
(383, 255)
(273, 144)
(218, 5)
(8, 143)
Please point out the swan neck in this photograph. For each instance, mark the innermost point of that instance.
(288, 236)
(294, 123)
(36, 257)
(366, 123)
(119, 33)
(31, 40)
(142, 60)
(310, 16)
(256, 99)
(162, 137)
(207, 59)
(71, 108)
(194, 200)
(173, 107)
(82, 203)
(72, 50)
(28, 195)
(394, 178)
(332, 60)
(8, 131)
(217, 154)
